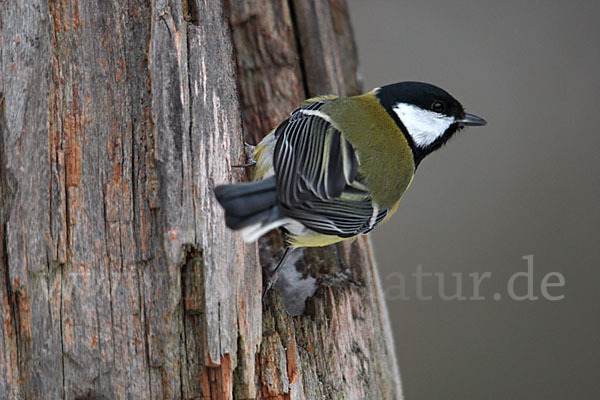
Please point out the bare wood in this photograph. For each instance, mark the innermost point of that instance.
(118, 278)
(268, 63)
(343, 347)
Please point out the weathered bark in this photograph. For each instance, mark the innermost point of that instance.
(118, 278)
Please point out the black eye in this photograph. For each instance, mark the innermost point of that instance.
(438, 107)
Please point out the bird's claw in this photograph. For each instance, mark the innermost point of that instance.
(268, 286)
(249, 152)
(246, 165)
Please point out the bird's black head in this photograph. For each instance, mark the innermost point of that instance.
(427, 115)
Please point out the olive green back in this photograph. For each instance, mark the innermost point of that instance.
(386, 159)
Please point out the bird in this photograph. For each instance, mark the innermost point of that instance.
(338, 166)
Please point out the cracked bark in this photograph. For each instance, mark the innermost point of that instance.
(119, 279)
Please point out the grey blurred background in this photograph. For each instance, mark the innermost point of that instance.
(527, 184)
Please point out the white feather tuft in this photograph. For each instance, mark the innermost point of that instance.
(253, 232)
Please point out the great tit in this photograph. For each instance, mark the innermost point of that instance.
(338, 166)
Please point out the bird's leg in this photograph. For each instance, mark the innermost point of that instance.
(249, 150)
(273, 274)
(246, 165)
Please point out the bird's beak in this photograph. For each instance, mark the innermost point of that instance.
(471, 120)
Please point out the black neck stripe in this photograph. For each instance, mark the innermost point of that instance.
(418, 153)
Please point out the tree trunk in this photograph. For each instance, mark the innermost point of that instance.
(118, 277)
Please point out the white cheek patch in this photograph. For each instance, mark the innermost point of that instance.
(423, 126)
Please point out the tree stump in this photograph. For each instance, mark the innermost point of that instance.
(118, 276)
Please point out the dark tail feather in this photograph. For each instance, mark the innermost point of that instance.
(247, 204)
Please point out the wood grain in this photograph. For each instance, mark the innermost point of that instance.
(118, 277)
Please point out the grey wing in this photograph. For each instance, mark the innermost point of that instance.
(318, 183)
